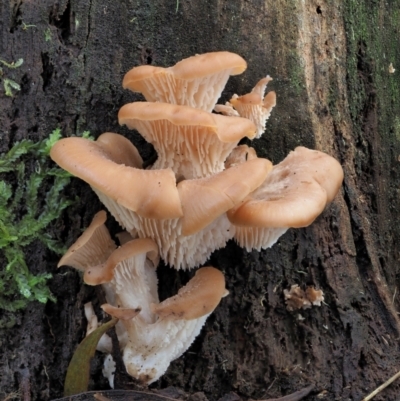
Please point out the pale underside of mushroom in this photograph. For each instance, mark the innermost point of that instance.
(257, 237)
(151, 334)
(196, 81)
(253, 106)
(157, 333)
(192, 142)
(151, 348)
(181, 252)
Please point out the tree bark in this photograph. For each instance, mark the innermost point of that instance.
(330, 64)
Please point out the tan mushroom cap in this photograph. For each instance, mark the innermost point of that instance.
(93, 246)
(196, 81)
(293, 194)
(253, 106)
(103, 273)
(197, 66)
(225, 128)
(120, 149)
(204, 200)
(199, 297)
(192, 142)
(150, 193)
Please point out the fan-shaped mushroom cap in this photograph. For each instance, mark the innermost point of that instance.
(293, 195)
(206, 199)
(104, 272)
(111, 166)
(252, 105)
(192, 142)
(196, 81)
(94, 246)
(199, 297)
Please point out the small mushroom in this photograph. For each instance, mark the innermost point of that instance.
(316, 297)
(94, 246)
(129, 274)
(253, 106)
(196, 81)
(292, 195)
(296, 298)
(151, 346)
(192, 142)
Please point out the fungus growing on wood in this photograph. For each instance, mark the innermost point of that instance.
(186, 240)
(293, 195)
(92, 247)
(296, 298)
(152, 333)
(155, 340)
(254, 106)
(196, 81)
(112, 167)
(192, 142)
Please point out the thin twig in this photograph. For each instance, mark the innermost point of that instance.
(382, 387)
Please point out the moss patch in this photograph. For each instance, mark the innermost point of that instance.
(29, 202)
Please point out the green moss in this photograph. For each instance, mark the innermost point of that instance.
(373, 42)
(26, 210)
(47, 35)
(296, 71)
(8, 83)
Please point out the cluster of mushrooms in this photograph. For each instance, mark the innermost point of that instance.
(202, 191)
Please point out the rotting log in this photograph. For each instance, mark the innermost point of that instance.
(330, 64)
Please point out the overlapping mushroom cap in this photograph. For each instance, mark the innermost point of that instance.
(192, 142)
(254, 105)
(293, 195)
(112, 165)
(196, 81)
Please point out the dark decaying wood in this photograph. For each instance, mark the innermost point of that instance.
(330, 64)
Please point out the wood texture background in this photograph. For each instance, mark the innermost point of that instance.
(329, 61)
